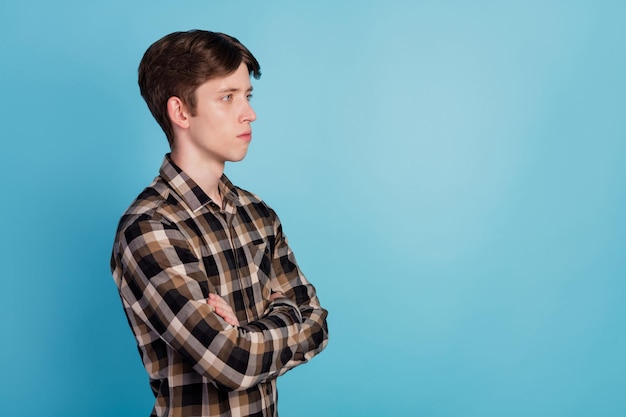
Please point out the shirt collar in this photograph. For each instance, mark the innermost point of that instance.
(191, 192)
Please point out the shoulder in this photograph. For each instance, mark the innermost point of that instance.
(252, 203)
(155, 204)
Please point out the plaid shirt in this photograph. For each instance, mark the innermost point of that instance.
(173, 247)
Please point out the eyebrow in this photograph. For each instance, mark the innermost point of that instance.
(234, 90)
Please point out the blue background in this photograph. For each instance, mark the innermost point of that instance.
(451, 176)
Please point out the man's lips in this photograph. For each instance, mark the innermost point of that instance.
(245, 136)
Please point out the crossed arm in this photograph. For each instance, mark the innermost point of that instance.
(158, 278)
(226, 312)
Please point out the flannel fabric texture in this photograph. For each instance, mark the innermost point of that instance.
(172, 248)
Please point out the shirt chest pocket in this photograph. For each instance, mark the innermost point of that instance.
(256, 267)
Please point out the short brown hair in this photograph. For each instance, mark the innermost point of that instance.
(177, 64)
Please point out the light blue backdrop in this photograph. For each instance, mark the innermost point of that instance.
(451, 176)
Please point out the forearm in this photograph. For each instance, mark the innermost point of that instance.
(312, 338)
(288, 277)
(313, 334)
(234, 358)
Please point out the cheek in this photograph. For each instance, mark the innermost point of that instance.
(219, 118)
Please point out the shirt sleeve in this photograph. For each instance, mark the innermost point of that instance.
(289, 279)
(159, 280)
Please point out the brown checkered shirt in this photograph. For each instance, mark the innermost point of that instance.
(173, 247)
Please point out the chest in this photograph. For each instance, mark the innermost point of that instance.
(235, 250)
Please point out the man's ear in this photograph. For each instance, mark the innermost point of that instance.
(177, 111)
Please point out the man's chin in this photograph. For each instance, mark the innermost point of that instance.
(237, 158)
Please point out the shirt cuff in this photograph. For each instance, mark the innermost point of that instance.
(282, 302)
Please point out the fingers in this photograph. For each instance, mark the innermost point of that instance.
(226, 312)
(223, 309)
(276, 295)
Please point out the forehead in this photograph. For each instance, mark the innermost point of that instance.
(239, 80)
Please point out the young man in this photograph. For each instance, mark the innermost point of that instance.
(213, 294)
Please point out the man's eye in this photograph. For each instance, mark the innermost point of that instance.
(249, 97)
(228, 97)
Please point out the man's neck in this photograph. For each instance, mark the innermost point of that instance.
(205, 173)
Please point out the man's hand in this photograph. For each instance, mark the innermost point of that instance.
(276, 295)
(222, 309)
(226, 312)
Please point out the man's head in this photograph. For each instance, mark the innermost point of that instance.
(177, 64)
